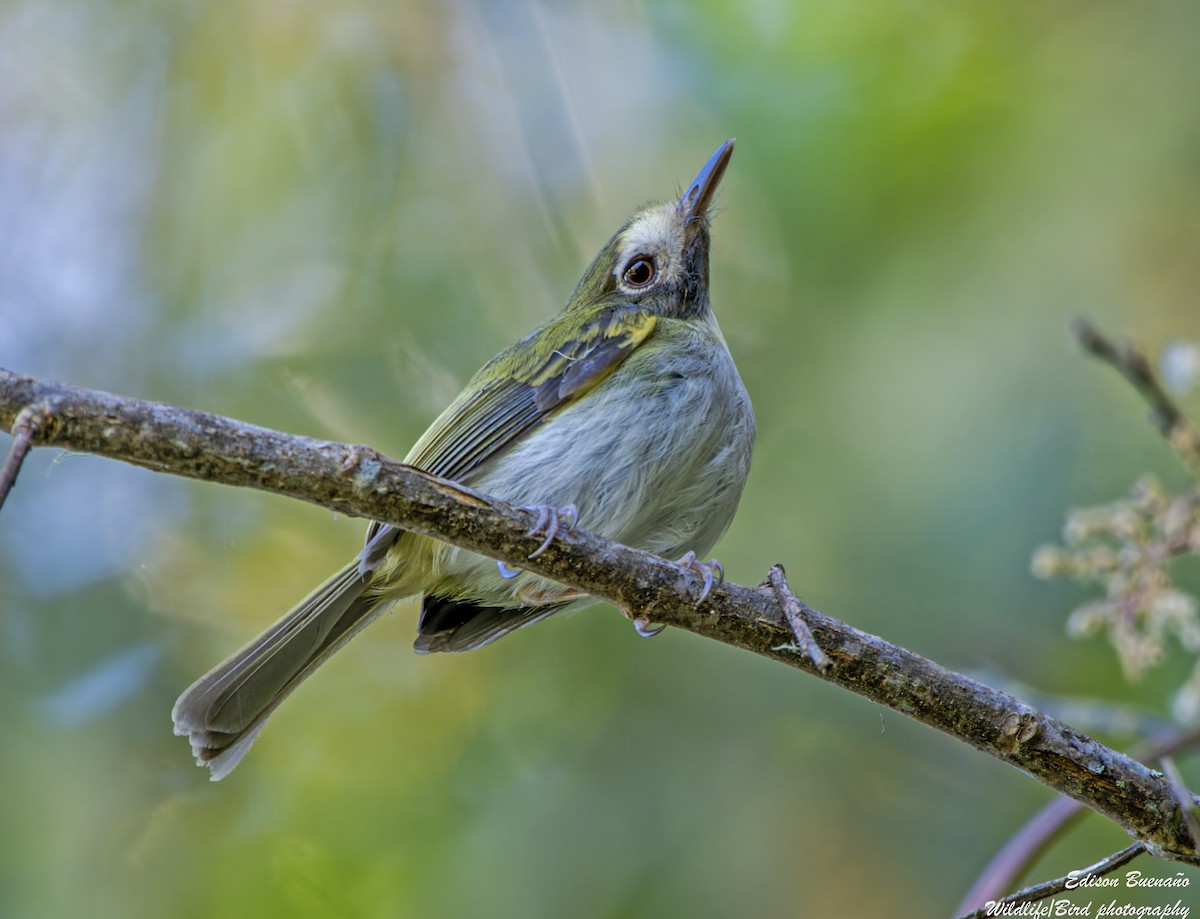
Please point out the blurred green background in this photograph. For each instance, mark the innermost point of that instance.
(323, 217)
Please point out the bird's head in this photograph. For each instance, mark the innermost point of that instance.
(658, 260)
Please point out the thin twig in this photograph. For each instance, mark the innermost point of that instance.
(1023, 848)
(1165, 415)
(795, 611)
(1049, 888)
(23, 430)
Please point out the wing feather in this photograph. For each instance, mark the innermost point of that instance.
(556, 364)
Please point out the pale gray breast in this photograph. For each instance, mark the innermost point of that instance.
(655, 456)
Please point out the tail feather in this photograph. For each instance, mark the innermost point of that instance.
(223, 711)
(449, 625)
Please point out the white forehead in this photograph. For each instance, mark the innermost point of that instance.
(656, 231)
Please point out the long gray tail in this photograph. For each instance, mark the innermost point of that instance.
(223, 711)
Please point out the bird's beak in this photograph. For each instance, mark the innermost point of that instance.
(695, 201)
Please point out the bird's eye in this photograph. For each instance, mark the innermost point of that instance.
(639, 272)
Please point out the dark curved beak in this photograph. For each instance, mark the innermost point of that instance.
(695, 201)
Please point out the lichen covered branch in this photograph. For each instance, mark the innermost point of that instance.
(359, 481)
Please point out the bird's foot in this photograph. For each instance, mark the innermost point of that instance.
(550, 518)
(643, 627)
(712, 571)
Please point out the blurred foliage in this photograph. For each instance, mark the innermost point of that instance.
(323, 217)
(1125, 547)
(1128, 547)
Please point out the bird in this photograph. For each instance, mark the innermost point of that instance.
(623, 413)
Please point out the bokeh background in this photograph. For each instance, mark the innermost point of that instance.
(323, 217)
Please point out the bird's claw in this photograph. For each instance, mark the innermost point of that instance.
(643, 627)
(712, 571)
(549, 520)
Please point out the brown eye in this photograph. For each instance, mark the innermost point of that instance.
(639, 272)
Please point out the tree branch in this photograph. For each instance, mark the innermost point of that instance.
(359, 481)
(1030, 842)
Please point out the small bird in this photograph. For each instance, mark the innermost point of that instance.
(624, 411)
